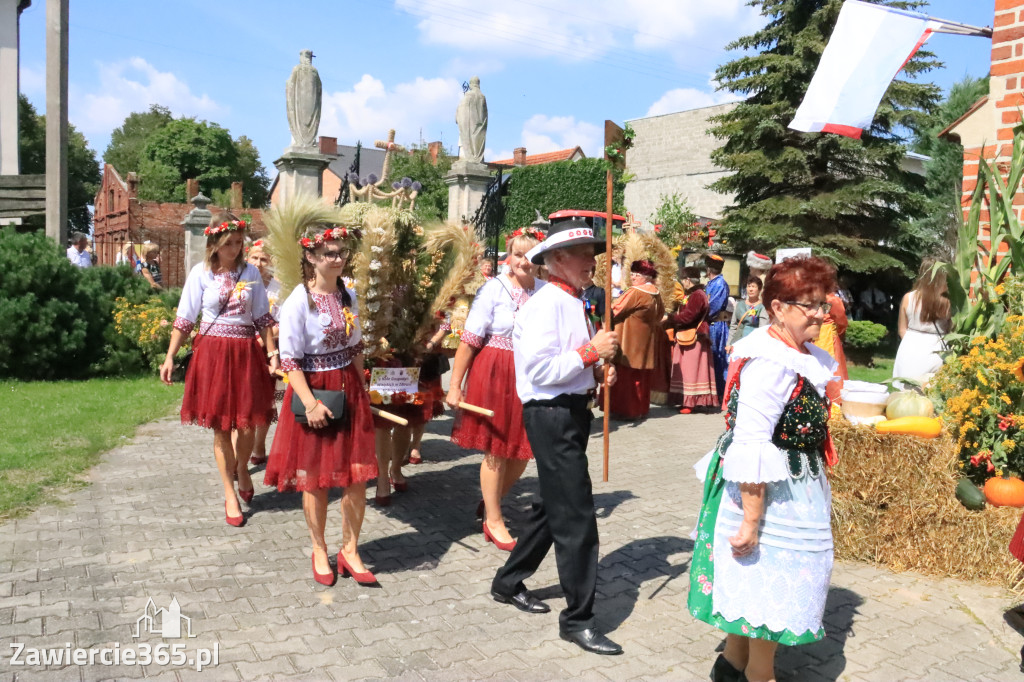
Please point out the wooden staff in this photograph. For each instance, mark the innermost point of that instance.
(474, 408)
(390, 417)
(610, 131)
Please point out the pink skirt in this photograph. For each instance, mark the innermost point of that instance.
(492, 384)
(228, 385)
(693, 375)
(336, 456)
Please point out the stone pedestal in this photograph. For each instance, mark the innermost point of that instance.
(197, 220)
(467, 183)
(301, 172)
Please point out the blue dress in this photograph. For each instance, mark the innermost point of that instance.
(718, 297)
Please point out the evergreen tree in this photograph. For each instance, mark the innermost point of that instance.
(83, 169)
(944, 171)
(845, 198)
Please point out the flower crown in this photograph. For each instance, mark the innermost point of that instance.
(258, 244)
(333, 234)
(531, 232)
(226, 226)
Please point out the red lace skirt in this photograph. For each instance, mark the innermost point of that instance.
(228, 385)
(492, 384)
(336, 456)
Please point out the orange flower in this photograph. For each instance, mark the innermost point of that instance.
(1018, 370)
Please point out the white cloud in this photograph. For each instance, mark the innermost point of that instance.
(134, 85)
(31, 80)
(550, 133)
(369, 109)
(682, 99)
(574, 30)
(491, 155)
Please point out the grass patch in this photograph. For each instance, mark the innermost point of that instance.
(880, 372)
(53, 431)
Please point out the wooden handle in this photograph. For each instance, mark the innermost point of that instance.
(473, 408)
(390, 417)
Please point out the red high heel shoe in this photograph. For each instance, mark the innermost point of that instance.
(327, 579)
(246, 495)
(685, 410)
(400, 486)
(236, 521)
(258, 460)
(505, 546)
(364, 578)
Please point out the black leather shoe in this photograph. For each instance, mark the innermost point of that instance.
(524, 601)
(593, 641)
(723, 671)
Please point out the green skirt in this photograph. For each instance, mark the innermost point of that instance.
(702, 567)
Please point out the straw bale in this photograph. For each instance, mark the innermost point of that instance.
(894, 504)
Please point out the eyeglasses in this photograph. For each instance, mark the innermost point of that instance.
(811, 308)
(340, 254)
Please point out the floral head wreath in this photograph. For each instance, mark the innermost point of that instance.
(258, 244)
(531, 232)
(226, 226)
(330, 235)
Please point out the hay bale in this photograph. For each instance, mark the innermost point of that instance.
(893, 504)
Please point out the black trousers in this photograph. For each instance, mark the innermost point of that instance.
(558, 431)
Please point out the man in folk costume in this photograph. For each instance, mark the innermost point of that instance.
(557, 367)
(718, 318)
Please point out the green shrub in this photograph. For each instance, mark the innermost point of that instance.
(552, 187)
(864, 335)
(56, 320)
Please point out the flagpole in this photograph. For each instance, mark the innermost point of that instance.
(959, 29)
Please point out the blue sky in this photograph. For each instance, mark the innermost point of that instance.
(552, 70)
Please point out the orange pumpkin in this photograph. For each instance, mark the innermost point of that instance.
(1005, 492)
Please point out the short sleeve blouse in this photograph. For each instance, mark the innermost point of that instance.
(494, 310)
(233, 304)
(320, 337)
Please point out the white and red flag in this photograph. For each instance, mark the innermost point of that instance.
(869, 46)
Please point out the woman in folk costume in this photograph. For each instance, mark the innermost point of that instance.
(636, 316)
(763, 555)
(257, 256)
(485, 353)
(692, 382)
(228, 384)
(321, 350)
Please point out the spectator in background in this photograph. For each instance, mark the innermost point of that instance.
(874, 304)
(127, 256)
(593, 299)
(150, 266)
(78, 252)
(617, 260)
(487, 268)
(749, 313)
(924, 321)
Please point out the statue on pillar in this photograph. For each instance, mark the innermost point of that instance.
(303, 94)
(472, 119)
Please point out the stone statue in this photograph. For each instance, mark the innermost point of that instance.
(303, 95)
(472, 119)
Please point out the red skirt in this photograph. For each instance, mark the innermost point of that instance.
(228, 385)
(1017, 542)
(693, 375)
(336, 456)
(631, 394)
(492, 384)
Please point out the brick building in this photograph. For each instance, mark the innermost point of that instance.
(986, 130)
(120, 217)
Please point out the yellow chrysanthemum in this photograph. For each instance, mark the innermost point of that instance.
(1018, 371)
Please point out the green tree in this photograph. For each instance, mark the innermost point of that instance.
(83, 168)
(165, 152)
(677, 220)
(432, 201)
(847, 199)
(129, 139)
(562, 185)
(944, 172)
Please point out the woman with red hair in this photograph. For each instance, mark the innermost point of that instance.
(636, 315)
(763, 558)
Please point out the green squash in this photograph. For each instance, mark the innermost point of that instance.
(969, 495)
(908, 404)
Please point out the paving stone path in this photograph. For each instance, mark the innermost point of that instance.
(151, 525)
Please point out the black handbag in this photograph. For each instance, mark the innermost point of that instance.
(332, 400)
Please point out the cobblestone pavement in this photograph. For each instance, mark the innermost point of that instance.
(151, 525)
